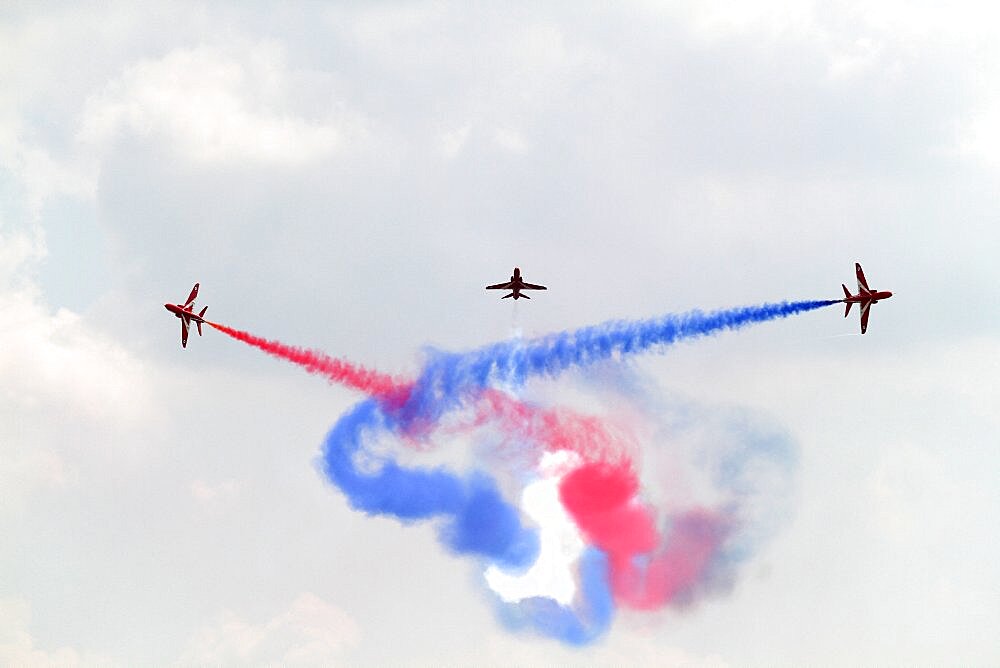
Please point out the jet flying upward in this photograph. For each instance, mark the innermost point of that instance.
(865, 297)
(187, 315)
(516, 284)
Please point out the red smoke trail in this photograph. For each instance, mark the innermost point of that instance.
(528, 430)
(648, 570)
(338, 371)
(554, 428)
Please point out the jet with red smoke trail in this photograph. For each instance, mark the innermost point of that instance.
(187, 315)
(865, 297)
(516, 283)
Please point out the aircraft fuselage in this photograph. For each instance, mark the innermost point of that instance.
(873, 297)
(516, 283)
(182, 312)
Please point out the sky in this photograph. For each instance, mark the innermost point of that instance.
(348, 176)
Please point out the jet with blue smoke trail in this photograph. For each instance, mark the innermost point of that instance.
(864, 299)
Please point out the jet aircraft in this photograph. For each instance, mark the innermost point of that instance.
(187, 315)
(865, 297)
(516, 284)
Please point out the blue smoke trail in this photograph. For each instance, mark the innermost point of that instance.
(447, 378)
(479, 522)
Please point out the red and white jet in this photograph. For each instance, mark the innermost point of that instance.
(187, 315)
(516, 284)
(865, 297)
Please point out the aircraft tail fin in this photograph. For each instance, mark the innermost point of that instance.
(847, 293)
(525, 296)
(847, 310)
(201, 315)
(506, 296)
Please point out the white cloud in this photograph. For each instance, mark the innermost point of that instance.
(24, 469)
(52, 364)
(31, 55)
(628, 647)
(905, 489)
(453, 141)
(979, 135)
(310, 632)
(856, 57)
(18, 251)
(717, 20)
(17, 645)
(968, 18)
(219, 493)
(214, 105)
(510, 140)
(54, 359)
(40, 175)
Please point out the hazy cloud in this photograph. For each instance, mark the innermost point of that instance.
(310, 633)
(215, 105)
(18, 647)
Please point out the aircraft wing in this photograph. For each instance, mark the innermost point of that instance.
(191, 297)
(532, 286)
(184, 332)
(501, 286)
(862, 283)
(865, 310)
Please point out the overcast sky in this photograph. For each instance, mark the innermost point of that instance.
(348, 176)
